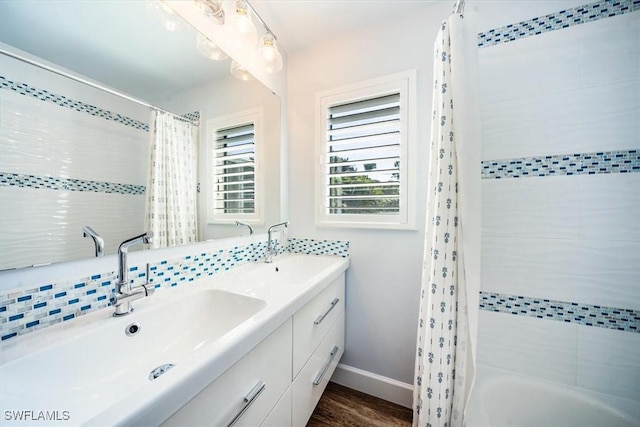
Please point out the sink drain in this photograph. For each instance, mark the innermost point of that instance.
(160, 370)
(132, 329)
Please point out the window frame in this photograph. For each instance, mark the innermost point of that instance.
(255, 116)
(403, 83)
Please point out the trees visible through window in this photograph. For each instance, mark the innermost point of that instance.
(366, 177)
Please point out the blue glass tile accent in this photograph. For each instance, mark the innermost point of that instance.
(63, 101)
(24, 298)
(16, 317)
(11, 335)
(68, 184)
(569, 312)
(91, 293)
(557, 21)
(319, 247)
(624, 161)
(32, 324)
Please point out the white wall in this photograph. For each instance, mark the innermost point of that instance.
(221, 98)
(383, 281)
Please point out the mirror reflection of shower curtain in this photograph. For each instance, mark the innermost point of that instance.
(172, 184)
(447, 325)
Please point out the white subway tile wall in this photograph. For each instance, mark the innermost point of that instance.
(560, 98)
(48, 170)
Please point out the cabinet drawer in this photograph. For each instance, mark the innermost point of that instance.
(312, 322)
(314, 376)
(280, 416)
(238, 393)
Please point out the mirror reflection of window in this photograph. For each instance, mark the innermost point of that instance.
(235, 168)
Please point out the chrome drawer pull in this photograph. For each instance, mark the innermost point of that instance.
(247, 401)
(322, 316)
(332, 356)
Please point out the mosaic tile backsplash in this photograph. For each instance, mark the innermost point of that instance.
(570, 312)
(25, 310)
(62, 101)
(68, 184)
(564, 164)
(557, 21)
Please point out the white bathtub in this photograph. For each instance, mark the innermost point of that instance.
(502, 398)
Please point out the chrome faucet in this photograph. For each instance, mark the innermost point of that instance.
(125, 293)
(97, 240)
(239, 223)
(271, 248)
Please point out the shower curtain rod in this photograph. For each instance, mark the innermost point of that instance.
(90, 83)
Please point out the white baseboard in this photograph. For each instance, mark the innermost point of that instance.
(375, 385)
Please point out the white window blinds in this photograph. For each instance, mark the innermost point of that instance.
(234, 170)
(363, 157)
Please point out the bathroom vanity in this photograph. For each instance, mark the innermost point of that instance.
(254, 346)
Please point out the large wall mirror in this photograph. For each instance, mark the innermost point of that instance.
(72, 155)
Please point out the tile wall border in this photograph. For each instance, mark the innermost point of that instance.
(620, 319)
(604, 162)
(40, 182)
(25, 310)
(557, 21)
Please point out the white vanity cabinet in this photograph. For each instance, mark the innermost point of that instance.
(312, 322)
(246, 393)
(313, 378)
(279, 382)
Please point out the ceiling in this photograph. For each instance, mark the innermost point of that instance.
(300, 23)
(118, 43)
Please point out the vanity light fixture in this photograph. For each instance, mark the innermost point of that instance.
(239, 72)
(210, 50)
(213, 9)
(269, 54)
(240, 26)
(170, 20)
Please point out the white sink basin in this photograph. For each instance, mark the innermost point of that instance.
(92, 370)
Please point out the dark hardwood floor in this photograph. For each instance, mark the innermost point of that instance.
(341, 406)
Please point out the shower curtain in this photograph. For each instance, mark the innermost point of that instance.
(171, 190)
(447, 324)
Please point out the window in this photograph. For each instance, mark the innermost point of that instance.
(365, 176)
(234, 163)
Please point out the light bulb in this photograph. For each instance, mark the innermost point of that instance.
(269, 54)
(210, 50)
(241, 28)
(212, 9)
(170, 20)
(239, 72)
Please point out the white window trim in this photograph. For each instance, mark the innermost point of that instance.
(255, 115)
(405, 83)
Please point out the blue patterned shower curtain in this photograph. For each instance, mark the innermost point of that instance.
(445, 359)
(172, 208)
